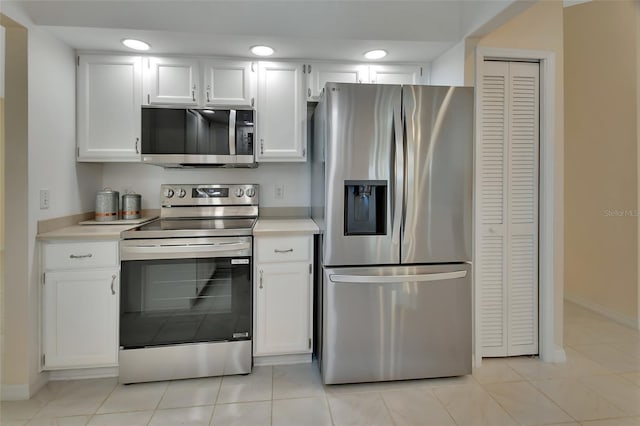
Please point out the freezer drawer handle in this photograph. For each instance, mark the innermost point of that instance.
(372, 279)
(283, 251)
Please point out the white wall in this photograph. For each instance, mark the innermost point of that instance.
(146, 180)
(51, 164)
(2, 36)
(448, 68)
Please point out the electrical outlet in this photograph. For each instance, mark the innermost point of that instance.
(44, 199)
(279, 192)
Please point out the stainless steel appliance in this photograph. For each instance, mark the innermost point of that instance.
(186, 280)
(190, 137)
(392, 194)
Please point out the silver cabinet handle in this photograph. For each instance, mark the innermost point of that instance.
(283, 251)
(80, 256)
(137, 150)
(261, 146)
(260, 278)
(113, 281)
(208, 90)
(193, 93)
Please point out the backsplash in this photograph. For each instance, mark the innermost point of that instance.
(281, 184)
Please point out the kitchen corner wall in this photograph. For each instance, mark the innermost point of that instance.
(146, 180)
(41, 156)
(602, 69)
(537, 28)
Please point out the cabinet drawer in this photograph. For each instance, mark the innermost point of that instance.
(283, 249)
(75, 255)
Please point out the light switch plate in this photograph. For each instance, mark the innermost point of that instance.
(44, 199)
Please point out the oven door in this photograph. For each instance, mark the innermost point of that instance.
(176, 291)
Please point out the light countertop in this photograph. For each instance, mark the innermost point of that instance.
(274, 226)
(108, 231)
(86, 232)
(285, 226)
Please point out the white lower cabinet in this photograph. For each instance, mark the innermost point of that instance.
(80, 307)
(283, 296)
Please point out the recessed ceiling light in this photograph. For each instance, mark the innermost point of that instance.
(262, 50)
(375, 54)
(134, 44)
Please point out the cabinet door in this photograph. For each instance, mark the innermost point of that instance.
(80, 319)
(321, 74)
(229, 83)
(283, 314)
(109, 97)
(281, 112)
(172, 81)
(395, 74)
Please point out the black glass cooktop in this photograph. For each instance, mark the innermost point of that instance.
(168, 228)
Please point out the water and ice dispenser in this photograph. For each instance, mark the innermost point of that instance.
(365, 207)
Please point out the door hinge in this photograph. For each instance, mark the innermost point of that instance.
(309, 343)
(77, 152)
(304, 152)
(148, 98)
(253, 101)
(78, 60)
(420, 71)
(304, 69)
(310, 268)
(44, 277)
(44, 359)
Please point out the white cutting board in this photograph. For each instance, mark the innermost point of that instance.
(120, 221)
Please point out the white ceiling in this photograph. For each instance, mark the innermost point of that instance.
(411, 31)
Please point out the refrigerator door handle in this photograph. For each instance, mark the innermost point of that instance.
(398, 192)
(377, 279)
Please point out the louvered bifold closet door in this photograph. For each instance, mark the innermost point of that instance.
(522, 209)
(490, 218)
(506, 208)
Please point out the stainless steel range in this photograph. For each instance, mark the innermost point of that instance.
(186, 280)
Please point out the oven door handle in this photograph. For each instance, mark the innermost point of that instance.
(181, 251)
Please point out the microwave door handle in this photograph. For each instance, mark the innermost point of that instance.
(232, 132)
(377, 279)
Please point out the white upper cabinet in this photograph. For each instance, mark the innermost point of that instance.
(321, 74)
(172, 81)
(281, 112)
(229, 83)
(109, 95)
(395, 74)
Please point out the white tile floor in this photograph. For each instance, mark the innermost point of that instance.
(598, 386)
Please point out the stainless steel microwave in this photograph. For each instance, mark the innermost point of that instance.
(190, 137)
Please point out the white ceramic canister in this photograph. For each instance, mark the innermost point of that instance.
(107, 205)
(131, 206)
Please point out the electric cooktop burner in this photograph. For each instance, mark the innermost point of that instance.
(202, 211)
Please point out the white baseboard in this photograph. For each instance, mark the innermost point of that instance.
(281, 359)
(559, 355)
(14, 392)
(23, 391)
(83, 373)
(604, 311)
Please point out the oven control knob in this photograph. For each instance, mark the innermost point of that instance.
(168, 192)
(182, 193)
(250, 192)
(239, 192)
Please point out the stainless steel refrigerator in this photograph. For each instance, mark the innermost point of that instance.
(392, 195)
